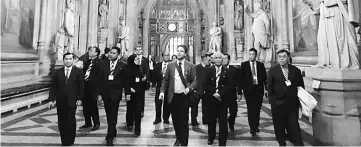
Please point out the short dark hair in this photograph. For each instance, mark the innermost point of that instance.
(68, 54)
(284, 51)
(163, 53)
(96, 49)
(228, 56)
(253, 50)
(106, 50)
(116, 48)
(184, 47)
(175, 56)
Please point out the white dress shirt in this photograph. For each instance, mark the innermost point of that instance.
(255, 69)
(178, 85)
(65, 70)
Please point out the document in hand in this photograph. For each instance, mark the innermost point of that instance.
(308, 102)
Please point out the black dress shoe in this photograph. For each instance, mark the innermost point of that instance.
(210, 142)
(176, 143)
(157, 122)
(166, 122)
(231, 128)
(253, 133)
(85, 126)
(257, 130)
(137, 133)
(95, 127)
(110, 142)
(130, 128)
(195, 123)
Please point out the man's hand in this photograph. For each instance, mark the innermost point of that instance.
(127, 97)
(99, 99)
(78, 102)
(132, 90)
(51, 105)
(186, 91)
(161, 96)
(144, 79)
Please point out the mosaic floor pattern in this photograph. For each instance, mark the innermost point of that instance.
(38, 127)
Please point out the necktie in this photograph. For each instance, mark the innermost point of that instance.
(164, 67)
(285, 72)
(112, 68)
(253, 70)
(87, 73)
(180, 67)
(67, 75)
(218, 74)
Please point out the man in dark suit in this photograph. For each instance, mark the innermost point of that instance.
(216, 90)
(144, 64)
(253, 80)
(113, 74)
(232, 92)
(159, 72)
(178, 82)
(67, 89)
(91, 70)
(201, 71)
(283, 80)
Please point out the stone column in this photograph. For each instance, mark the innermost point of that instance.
(92, 23)
(285, 29)
(41, 41)
(248, 29)
(336, 118)
(229, 22)
(131, 21)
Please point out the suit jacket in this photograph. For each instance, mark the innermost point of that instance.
(234, 84)
(114, 88)
(223, 83)
(67, 93)
(168, 79)
(246, 78)
(157, 75)
(94, 78)
(278, 92)
(201, 78)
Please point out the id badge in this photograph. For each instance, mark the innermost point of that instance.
(111, 77)
(288, 83)
(136, 79)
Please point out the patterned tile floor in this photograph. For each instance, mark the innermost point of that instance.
(38, 127)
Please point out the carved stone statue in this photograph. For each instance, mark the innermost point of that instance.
(103, 15)
(238, 18)
(338, 19)
(69, 27)
(215, 43)
(261, 31)
(123, 37)
(59, 43)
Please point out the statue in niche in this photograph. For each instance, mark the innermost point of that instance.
(261, 31)
(123, 37)
(338, 19)
(11, 22)
(305, 26)
(238, 17)
(215, 43)
(103, 15)
(69, 27)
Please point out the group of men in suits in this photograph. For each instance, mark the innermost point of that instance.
(178, 85)
(219, 85)
(100, 81)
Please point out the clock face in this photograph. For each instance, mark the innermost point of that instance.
(172, 27)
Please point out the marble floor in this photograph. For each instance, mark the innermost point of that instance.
(38, 127)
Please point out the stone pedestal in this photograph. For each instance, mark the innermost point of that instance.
(337, 116)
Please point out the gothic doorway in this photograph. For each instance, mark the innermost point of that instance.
(172, 23)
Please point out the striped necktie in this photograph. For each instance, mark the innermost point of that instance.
(218, 74)
(87, 73)
(285, 72)
(164, 68)
(112, 67)
(67, 75)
